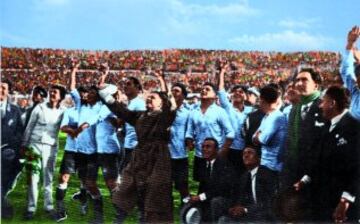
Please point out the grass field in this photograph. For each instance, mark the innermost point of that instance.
(19, 194)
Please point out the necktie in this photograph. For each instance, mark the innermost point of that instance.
(249, 188)
(208, 170)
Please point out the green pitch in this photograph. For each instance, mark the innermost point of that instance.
(18, 198)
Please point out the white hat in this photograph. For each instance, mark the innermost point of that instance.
(107, 92)
(254, 91)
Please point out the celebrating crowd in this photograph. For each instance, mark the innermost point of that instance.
(281, 147)
(28, 67)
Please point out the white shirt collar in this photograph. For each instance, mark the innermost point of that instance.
(337, 118)
(254, 171)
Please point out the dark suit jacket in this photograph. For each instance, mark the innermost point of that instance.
(11, 127)
(222, 180)
(337, 167)
(266, 186)
(309, 135)
(251, 124)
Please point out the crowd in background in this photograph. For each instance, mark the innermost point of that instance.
(276, 136)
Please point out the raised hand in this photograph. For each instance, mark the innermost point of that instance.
(105, 72)
(353, 35)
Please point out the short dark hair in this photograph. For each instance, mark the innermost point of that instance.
(182, 87)
(315, 76)
(166, 104)
(339, 95)
(136, 82)
(213, 140)
(244, 88)
(270, 93)
(212, 85)
(83, 89)
(257, 149)
(40, 90)
(62, 90)
(10, 85)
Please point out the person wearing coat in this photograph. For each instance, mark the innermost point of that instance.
(147, 177)
(254, 192)
(11, 134)
(334, 176)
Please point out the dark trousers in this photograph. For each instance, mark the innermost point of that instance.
(10, 169)
(124, 159)
(235, 158)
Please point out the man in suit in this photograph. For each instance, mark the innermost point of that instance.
(334, 176)
(254, 193)
(219, 179)
(11, 134)
(305, 124)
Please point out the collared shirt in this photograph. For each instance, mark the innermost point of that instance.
(86, 142)
(287, 110)
(177, 133)
(305, 108)
(213, 123)
(335, 120)
(273, 130)
(237, 119)
(44, 125)
(71, 118)
(253, 173)
(349, 79)
(203, 196)
(106, 137)
(130, 141)
(3, 105)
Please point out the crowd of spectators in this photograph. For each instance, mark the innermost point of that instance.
(27, 67)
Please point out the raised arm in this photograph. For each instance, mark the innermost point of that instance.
(160, 76)
(118, 108)
(224, 66)
(73, 77)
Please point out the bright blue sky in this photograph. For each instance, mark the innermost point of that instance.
(276, 25)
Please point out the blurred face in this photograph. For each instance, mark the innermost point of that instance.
(37, 98)
(264, 106)
(250, 158)
(153, 102)
(252, 98)
(4, 91)
(22, 103)
(54, 95)
(129, 88)
(292, 95)
(327, 106)
(305, 84)
(209, 150)
(177, 93)
(92, 97)
(83, 97)
(238, 95)
(207, 92)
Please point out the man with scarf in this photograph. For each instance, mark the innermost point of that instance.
(305, 125)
